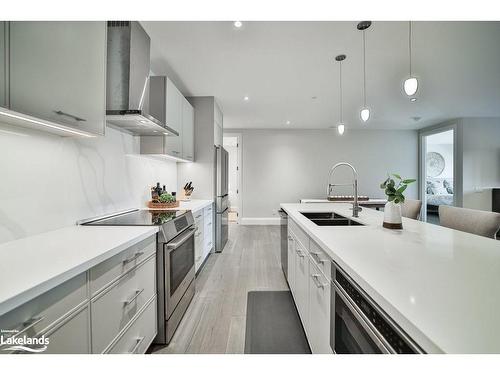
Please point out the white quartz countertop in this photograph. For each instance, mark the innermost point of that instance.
(440, 285)
(36, 264)
(374, 201)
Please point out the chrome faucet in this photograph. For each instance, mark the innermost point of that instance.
(355, 206)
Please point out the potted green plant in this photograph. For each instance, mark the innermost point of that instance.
(394, 187)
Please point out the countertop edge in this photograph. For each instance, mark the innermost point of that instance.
(37, 290)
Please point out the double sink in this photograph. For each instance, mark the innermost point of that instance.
(327, 219)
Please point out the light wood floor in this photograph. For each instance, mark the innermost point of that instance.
(215, 320)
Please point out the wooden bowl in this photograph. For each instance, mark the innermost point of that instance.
(163, 205)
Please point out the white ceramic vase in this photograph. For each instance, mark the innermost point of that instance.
(392, 216)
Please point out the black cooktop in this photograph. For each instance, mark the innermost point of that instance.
(140, 218)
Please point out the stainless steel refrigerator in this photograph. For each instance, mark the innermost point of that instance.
(221, 198)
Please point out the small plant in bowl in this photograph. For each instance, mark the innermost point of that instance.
(394, 187)
(166, 198)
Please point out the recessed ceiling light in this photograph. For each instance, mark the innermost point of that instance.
(246, 98)
(288, 122)
(413, 100)
(237, 24)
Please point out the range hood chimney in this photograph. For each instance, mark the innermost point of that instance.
(128, 83)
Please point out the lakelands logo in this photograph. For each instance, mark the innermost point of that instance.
(10, 342)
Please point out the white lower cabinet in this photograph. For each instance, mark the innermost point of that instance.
(310, 287)
(291, 262)
(204, 235)
(137, 338)
(101, 310)
(116, 307)
(72, 337)
(319, 310)
(302, 284)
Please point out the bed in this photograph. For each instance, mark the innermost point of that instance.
(439, 191)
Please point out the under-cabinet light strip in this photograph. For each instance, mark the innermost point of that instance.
(38, 122)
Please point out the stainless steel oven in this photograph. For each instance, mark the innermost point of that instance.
(358, 325)
(175, 274)
(179, 264)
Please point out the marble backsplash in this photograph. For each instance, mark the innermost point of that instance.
(49, 182)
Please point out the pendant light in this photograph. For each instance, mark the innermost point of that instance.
(410, 85)
(341, 125)
(365, 111)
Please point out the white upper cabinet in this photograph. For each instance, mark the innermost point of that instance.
(174, 106)
(178, 114)
(174, 119)
(58, 72)
(187, 130)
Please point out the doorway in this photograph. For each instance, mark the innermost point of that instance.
(232, 144)
(438, 166)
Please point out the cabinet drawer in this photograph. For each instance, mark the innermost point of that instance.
(301, 236)
(198, 217)
(108, 271)
(320, 259)
(319, 311)
(112, 310)
(140, 334)
(34, 317)
(208, 245)
(208, 211)
(208, 230)
(72, 337)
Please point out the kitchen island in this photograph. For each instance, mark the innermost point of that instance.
(440, 286)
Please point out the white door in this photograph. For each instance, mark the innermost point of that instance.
(232, 145)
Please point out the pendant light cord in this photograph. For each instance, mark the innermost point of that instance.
(364, 70)
(409, 42)
(340, 72)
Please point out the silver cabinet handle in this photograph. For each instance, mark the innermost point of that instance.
(132, 258)
(27, 325)
(318, 259)
(138, 342)
(176, 152)
(76, 118)
(290, 238)
(209, 224)
(300, 253)
(198, 216)
(315, 278)
(133, 298)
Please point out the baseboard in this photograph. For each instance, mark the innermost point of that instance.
(260, 221)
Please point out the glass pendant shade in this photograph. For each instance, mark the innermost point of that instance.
(365, 114)
(410, 86)
(341, 128)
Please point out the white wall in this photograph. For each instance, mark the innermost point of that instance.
(446, 151)
(49, 182)
(481, 161)
(281, 166)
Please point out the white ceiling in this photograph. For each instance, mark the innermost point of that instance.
(280, 66)
(443, 138)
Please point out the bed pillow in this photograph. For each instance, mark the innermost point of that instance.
(440, 190)
(448, 185)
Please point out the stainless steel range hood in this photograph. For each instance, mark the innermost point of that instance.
(127, 84)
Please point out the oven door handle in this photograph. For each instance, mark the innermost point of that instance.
(181, 240)
(360, 317)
